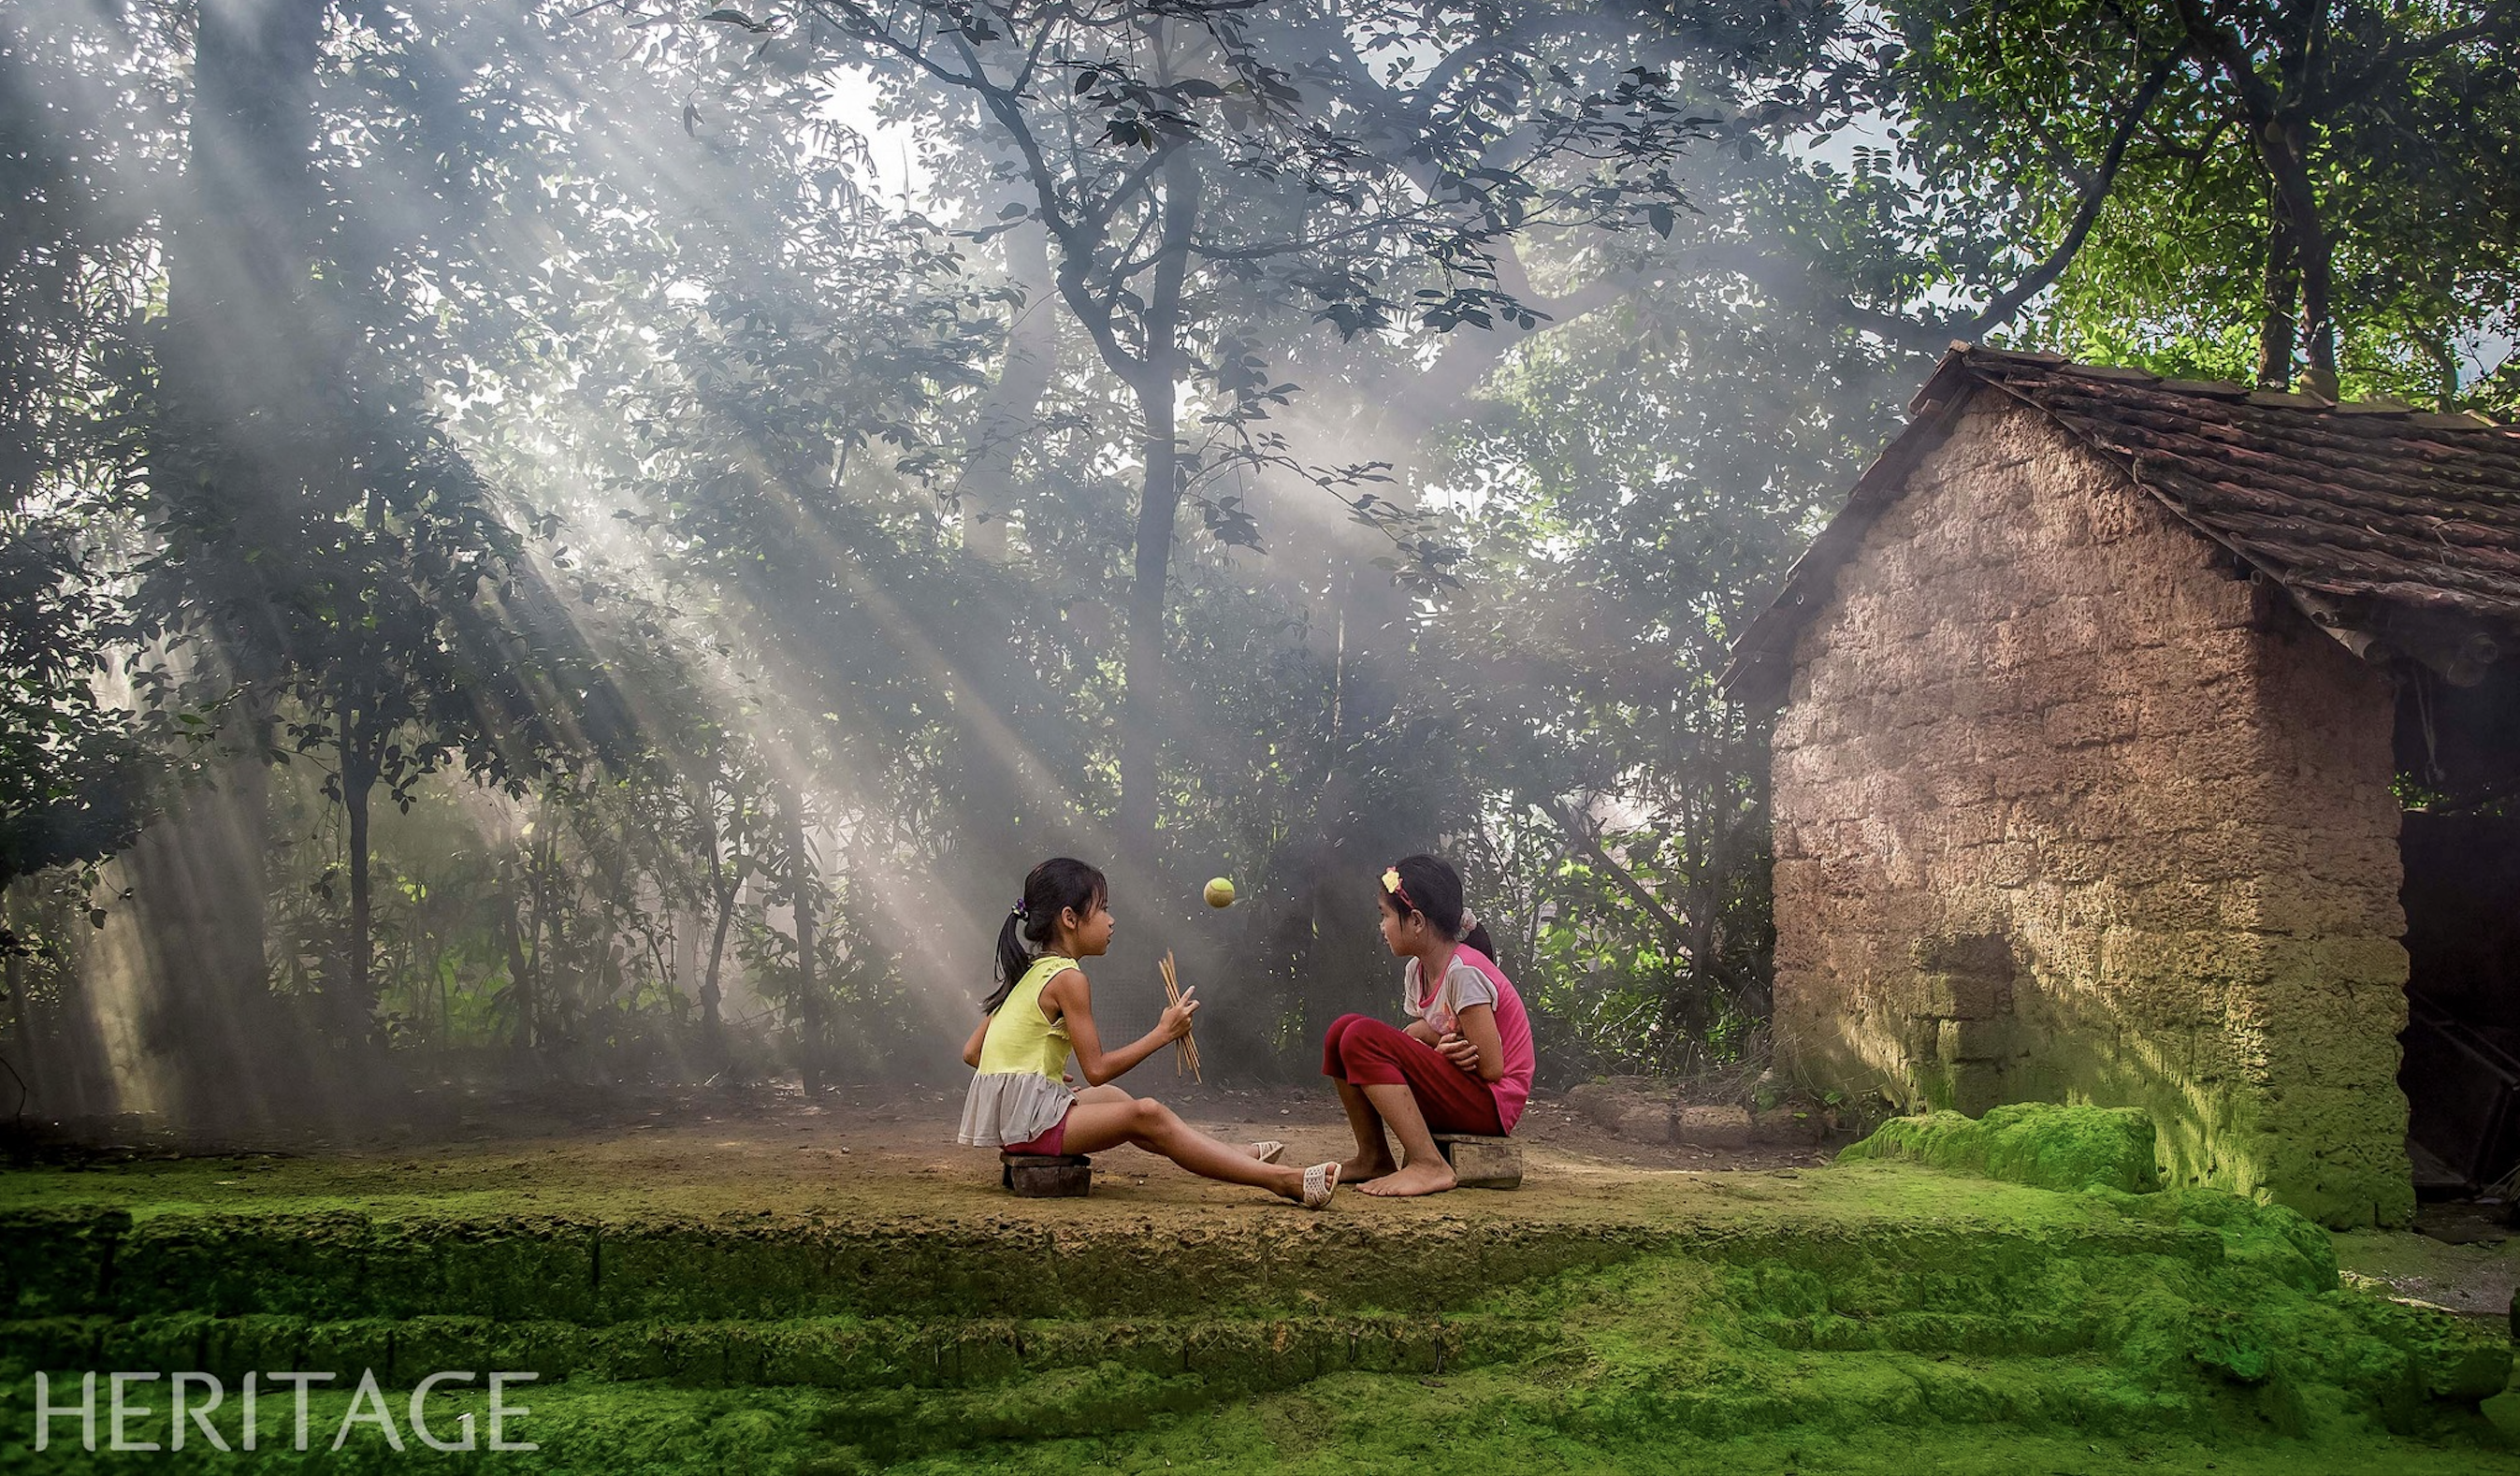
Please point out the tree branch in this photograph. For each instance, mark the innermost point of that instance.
(2095, 194)
(1131, 183)
(2500, 21)
(1172, 263)
(2218, 44)
(1673, 925)
(1467, 358)
(1075, 246)
(1798, 283)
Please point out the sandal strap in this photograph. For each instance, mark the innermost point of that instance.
(1320, 1182)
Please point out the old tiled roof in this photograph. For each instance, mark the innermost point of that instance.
(2374, 517)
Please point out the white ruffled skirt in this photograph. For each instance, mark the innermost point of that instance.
(1012, 1106)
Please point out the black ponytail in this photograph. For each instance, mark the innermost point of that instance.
(1049, 888)
(1011, 961)
(1428, 884)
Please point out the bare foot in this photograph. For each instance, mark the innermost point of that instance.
(1359, 1169)
(1432, 1178)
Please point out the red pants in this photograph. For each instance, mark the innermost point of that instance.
(1368, 1053)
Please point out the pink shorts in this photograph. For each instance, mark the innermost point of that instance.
(1049, 1145)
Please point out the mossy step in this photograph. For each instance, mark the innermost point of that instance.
(341, 1264)
(840, 1353)
(1878, 1301)
(1721, 1398)
(1650, 1411)
(1485, 1421)
(2196, 1313)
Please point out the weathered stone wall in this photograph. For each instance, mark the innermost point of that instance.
(2066, 812)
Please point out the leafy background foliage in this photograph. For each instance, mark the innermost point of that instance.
(742, 486)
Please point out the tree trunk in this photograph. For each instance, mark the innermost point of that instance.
(2445, 394)
(241, 240)
(723, 882)
(21, 1034)
(2301, 65)
(999, 812)
(712, 1030)
(1158, 511)
(520, 967)
(358, 780)
(1005, 417)
(802, 888)
(2277, 331)
(2279, 115)
(2287, 156)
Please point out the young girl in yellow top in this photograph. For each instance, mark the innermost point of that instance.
(1043, 1014)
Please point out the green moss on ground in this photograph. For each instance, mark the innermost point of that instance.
(1468, 1423)
(2047, 1145)
(1874, 1317)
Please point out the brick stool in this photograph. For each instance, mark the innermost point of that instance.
(1482, 1163)
(1047, 1175)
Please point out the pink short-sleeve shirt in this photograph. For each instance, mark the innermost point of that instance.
(1472, 978)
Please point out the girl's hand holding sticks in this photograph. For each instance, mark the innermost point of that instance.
(1176, 1019)
(1184, 1044)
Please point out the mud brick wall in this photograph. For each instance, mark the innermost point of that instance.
(2065, 811)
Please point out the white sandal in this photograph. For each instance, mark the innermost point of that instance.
(1267, 1149)
(1319, 1180)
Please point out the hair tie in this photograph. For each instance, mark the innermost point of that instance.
(1017, 910)
(1469, 919)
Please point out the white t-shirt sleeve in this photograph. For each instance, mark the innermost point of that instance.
(1463, 987)
(1466, 986)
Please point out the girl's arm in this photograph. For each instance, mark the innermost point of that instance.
(1479, 1049)
(1074, 998)
(971, 1047)
(1418, 1029)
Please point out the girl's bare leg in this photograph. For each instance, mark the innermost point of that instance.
(1372, 1157)
(1422, 1170)
(1110, 1093)
(1151, 1125)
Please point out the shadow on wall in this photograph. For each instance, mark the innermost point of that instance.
(1967, 1021)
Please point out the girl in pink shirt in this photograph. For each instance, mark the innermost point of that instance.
(1464, 1063)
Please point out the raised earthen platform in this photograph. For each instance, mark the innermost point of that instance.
(834, 1293)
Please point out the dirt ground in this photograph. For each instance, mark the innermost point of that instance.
(2462, 1256)
(869, 1154)
(742, 1134)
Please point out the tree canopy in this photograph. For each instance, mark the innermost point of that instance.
(745, 483)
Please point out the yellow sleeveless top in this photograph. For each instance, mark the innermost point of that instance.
(1018, 1038)
(1016, 1095)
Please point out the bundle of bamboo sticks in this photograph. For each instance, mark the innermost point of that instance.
(1185, 1050)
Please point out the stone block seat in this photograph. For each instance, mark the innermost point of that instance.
(1047, 1175)
(1480, 1162)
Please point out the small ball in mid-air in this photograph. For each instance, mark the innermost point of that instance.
(1220, 892)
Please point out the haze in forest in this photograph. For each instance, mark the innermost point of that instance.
(594, 544)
